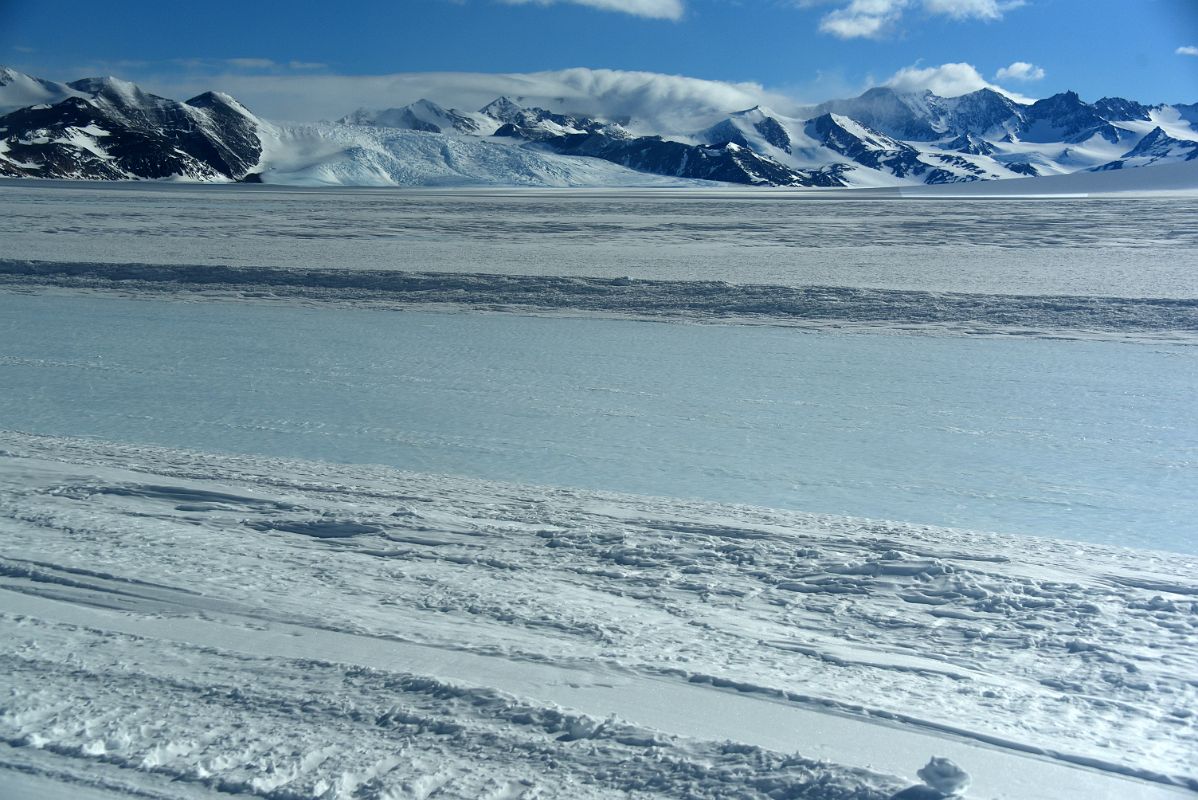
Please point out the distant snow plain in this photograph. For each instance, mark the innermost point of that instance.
(191, 609)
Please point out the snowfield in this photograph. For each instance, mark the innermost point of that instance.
(1105, 246)
(184, 624)
(318, 494)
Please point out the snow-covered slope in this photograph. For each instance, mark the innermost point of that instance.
(1154, 148)
(425, 115)
(1177, 179)
(354, 155)
(18, 90)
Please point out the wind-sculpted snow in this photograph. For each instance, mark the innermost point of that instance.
(171, 624)
(682, 300)
(1106, 247)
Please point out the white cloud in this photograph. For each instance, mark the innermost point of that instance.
(874, 19)
(1187, 50)
(946, 80)
(971, 9)
(863, 19)
(653, 9)
(1020, 71)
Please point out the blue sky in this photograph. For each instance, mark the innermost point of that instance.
(807, 49)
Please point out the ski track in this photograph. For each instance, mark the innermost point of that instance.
(1078, 653)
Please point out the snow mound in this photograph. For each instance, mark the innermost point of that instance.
(945, 777)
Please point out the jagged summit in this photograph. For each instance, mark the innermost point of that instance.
(971, 144)
(1155, 147)
(502, 108)
(1118, 108)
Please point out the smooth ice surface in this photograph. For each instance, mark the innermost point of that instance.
(1086, 440)
(1138, 247)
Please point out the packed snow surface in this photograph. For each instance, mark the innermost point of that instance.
(1090, 440)
(1109, 246)
(182, 625)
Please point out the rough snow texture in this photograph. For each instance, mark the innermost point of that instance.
(1138, 247)
(1079, 652)
(645, 299)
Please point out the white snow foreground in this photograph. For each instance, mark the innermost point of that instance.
(179, 625)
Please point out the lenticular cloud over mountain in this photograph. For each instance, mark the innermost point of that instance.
(666, 101)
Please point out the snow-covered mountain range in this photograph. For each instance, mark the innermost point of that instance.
(105, 128)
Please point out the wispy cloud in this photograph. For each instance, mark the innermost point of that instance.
(653, 9)
(1020, 71)
(971, 9)
(251, 63)
(265, 64)
(876, 19)
(1187, 50)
